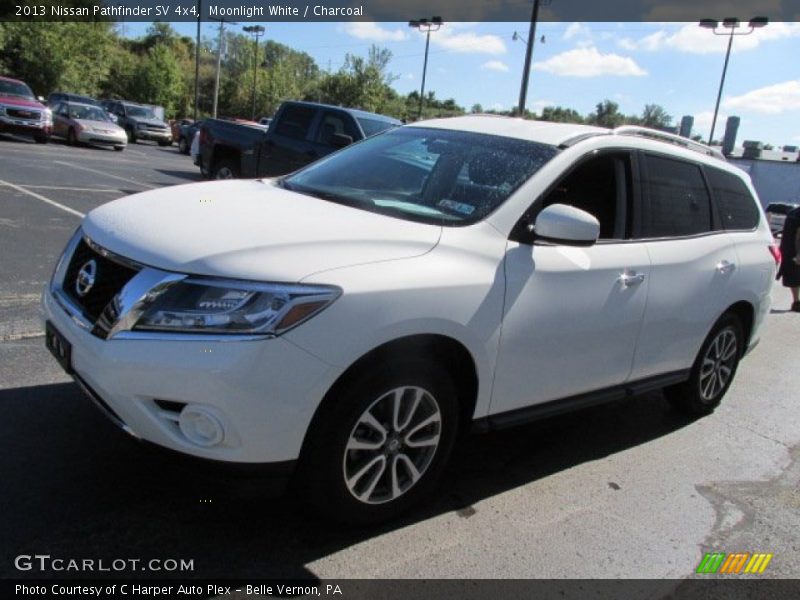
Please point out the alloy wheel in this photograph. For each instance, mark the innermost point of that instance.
(718, 365)
(392, 445)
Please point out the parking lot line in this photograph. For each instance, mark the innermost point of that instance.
(72, 189)
(139, 183)
(42, 198)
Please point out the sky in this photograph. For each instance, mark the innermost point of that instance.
(577, 65)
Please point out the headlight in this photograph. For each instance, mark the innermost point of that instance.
(47, 115)
(234, 307)
(2, 110)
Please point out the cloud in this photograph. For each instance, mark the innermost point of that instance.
(772, 99)
(367, 30)
(577, 30)
(589, 62)
(467, 42)
(495, 65)
(692, 38)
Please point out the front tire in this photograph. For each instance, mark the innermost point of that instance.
(378, 447)
(131, 135)
(72, 139)
(713, 370)
(42, 139)
(183, 146)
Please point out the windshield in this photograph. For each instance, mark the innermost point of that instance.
(140, 112)
(88, 113)
(373, 126)
(429, 175)
(12, 88)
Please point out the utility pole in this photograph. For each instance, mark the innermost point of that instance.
(219, 64)
(197, 60)
(434, 24)
(523, 89)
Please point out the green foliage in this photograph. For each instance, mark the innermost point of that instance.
(558, 114)
(656, 117)
(157, 79)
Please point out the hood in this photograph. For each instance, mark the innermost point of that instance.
(107, 125)
(251, 229)
(151, 122)
(21, 102)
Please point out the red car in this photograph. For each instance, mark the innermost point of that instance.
(21, 113)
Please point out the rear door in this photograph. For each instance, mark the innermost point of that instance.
(693, 264)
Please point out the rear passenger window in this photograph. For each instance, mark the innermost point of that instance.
(295, 121)
(679, 204)
(736, 207)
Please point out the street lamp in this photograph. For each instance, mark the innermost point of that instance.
(256, 31)
(426, 25)
(731, 24)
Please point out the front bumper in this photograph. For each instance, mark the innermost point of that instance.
(103, 139)
(154, 135)
(262, 392)
(24, 127)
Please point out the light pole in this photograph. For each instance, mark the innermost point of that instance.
(256, 31)
(426, 25)
(731, 24)
(523, 88)
(197, 60)
(219, 64)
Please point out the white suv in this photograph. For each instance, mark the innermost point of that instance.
(349, 320)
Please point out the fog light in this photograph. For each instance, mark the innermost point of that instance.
(200, 426)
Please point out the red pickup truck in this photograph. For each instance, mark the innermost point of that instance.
(21, 113)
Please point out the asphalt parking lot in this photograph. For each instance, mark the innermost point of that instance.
(627, 490)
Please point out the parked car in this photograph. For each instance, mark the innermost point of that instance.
(186, 135)
(87, 124)
(139, 122)
(346, 322)
(56, 97)
(300, 133)
(175, 127)
(21, 113)
(776, 214)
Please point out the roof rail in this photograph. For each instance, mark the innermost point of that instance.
(669, 138)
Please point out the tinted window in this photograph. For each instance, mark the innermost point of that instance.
(295, 121)
(333, 123)
(15, 88)
(678, 199)
(373, 126)
(429, 175)
(600, 186)
(736, 207)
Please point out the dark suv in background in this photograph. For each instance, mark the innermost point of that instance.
(139, 122)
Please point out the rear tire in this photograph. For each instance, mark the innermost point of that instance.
(131, 135)
(119, 148)
(364, 463)
(162, 144)
(713, 370)
(225, 169)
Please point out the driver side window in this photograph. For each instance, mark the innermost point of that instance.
(601, 186)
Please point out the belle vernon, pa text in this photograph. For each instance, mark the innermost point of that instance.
(165, 10)
(178, 590)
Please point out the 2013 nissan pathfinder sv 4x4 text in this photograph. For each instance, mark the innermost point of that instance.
(350, 319)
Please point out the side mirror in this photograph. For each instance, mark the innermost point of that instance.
(40, 99)
(566, 226)
(340, 140)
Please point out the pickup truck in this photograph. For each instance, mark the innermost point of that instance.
(300, 133)
(21, 113)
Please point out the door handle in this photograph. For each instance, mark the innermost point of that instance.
(725, 267)
(631, 278)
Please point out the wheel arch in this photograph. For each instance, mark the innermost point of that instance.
(454, 356)
(745, 312)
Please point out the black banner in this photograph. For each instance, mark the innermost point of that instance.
(396, 10)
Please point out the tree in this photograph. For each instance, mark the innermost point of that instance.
(559, 114)
(158, 79)
(606, 115)
(656, 117)
(476, 108)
